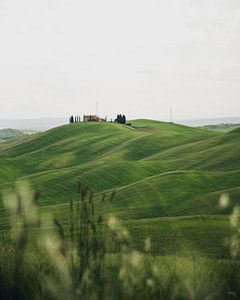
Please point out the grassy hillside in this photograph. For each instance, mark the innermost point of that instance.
(157, 170)
(168, 179)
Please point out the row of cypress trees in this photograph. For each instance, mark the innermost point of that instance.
(121, 119)
(75, 119)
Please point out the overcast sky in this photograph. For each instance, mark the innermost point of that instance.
(140, 57)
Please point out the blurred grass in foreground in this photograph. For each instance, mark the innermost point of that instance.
(94, 257)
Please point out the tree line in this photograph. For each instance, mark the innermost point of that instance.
(74, 119)
(121, 119)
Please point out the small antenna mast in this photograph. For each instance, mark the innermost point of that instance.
(171, 114)
(96, 109)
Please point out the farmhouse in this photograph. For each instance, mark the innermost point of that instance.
(93, 118)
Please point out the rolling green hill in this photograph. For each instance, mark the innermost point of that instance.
(157, 169)
(151, 161)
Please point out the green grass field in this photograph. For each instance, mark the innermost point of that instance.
(157, 170)
(153, 229)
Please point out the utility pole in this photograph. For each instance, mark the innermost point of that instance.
(96, 109)
(171, 114)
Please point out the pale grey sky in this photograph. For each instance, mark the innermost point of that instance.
(59, 57)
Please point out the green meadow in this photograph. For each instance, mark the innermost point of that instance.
(157, 169)
(163, 181)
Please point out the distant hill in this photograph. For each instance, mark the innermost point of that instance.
(33, 124)
(210, 121)
(9, 134)
(224, 127)
(156, 168)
